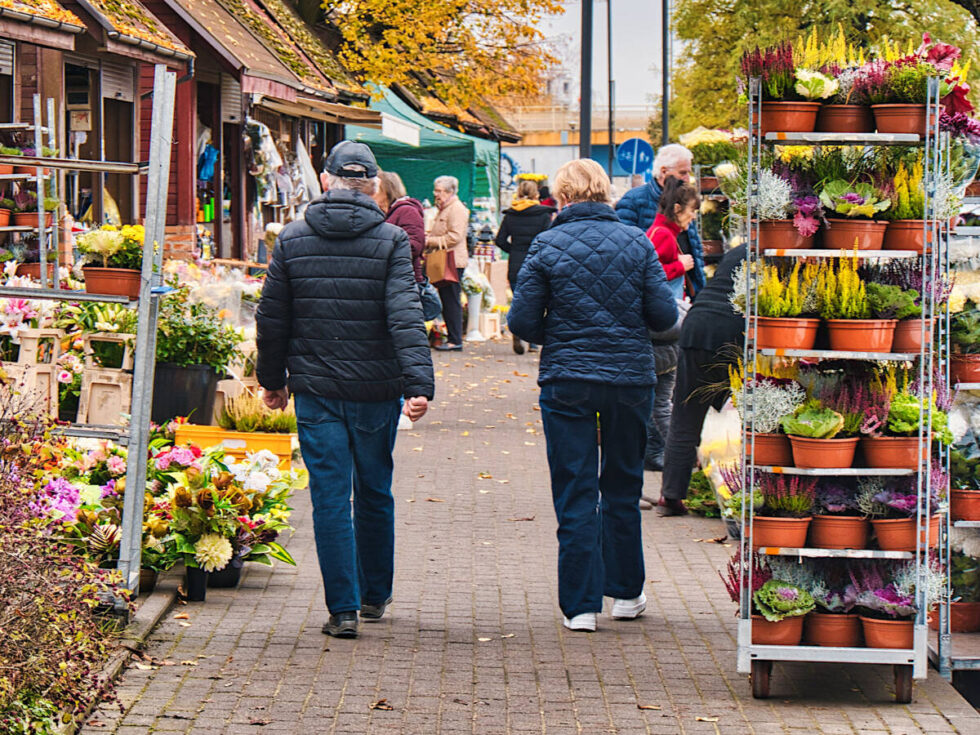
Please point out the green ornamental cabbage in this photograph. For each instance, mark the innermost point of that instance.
(777, 600)
(813, 423)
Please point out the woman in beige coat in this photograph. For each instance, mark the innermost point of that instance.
(448, 232)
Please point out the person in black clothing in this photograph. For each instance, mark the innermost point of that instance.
(524, 221)
(710, 331)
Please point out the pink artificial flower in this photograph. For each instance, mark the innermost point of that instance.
(163, 461)
(65, 377)
(116, 465)
(805, 225)
(182, 456)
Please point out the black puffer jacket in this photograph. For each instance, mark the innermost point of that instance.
(518, 228)
(340, 310)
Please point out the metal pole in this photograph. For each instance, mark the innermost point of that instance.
(585, 101)
(609, 78)
(55, 191)
(42, 235)
(665, 72)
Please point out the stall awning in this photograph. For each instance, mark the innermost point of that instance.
(128, 26)
(41, 22)
(330, 112)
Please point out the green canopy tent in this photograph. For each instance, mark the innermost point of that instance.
(441, 152)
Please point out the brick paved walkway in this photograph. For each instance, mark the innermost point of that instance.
(474, 641)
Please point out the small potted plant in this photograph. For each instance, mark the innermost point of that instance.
(812, 431)
(906, 224)
(886, 599)
(964, 333)
(857, 319)
(5, 150)
(772, 398)
(778, 612)
(786, 511)
(895, 443)
(787, 305)
(712, 227)
(964, 579)
(7, 207)
(906, 273)
(847, 111)
(832, 622)
(112, 259)
(28, 255)
(837, 521)
(856, 206)
(891, 505)
(25, 209)
(786, 222)
(964, 479)
(790, 95)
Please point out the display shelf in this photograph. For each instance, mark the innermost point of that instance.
(73, 164)
(844, 138)
(61, 294)
(971, 201)
(117, 434)
(840, 355)
(831, 654)
(966, 524)
(21, 228)
(835, 471)
(966, 647)
(811, 553)
(806, 253)
(968, 386)
(19, 177)
(13, 126)
(966, 231)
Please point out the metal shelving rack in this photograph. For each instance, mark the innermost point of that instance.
(911, 663)
(715, 196)
(136, 435)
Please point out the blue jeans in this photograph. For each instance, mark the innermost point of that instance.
(347, 446)
(600, 551)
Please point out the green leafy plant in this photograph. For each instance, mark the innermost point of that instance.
(777, 600)
(904, 418)
(701, 499)
(7, 203)
(909, 198)
(892, 302)
(964, 463)
(964, 576)
(852, 200)
(787, 295)
(813, 423)
(964, 331)
(111, 247)
(6, 150)
(192, 333)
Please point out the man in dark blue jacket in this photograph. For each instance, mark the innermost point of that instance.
(340, 318)
(589, 291)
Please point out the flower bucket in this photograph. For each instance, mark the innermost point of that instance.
(908, 335)
(789, 333)
(900, 118)
(789, 117)
(846, 234)
(898, 534)
(33, 270)
(112, 281)
(787, 533)
(893, 452)
(786, 632)
(839, 532)
(780, 234)
(5, 215)
(964, 617)
(712, 247)
(904, 234)
(29, 219)
(225, 578)
(833, 629)
(148, 580)
(861, 335)
(183, 390)
(845, 119)
(197, 584)
(964, 368)
(887, 633)
(823, 453)
(771, 450)
(964, 505)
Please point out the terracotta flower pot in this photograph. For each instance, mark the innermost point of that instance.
(898, 534)
(5, 217)
(6, 169)
(789, 117)
(973, 189)
(30, 170)
(908, 335)
(964, 505)
(904, 234)
(833, 629)
(823, 453)
(112, 281)
(148, 580)
(964, 368)
(779, 532)
(887, 633)
(893, 452)
(29, 219)
(780, 234)
(786, 632)
(839, 532)
(900, 118)
(771, 450)
(845, 119)
(790, 333)
(712, 247)
(964, 617)
(861, 335)
(33, 270)
(709, 183)
(846, 234)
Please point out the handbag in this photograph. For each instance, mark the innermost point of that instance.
(431, 303)
(440, 267)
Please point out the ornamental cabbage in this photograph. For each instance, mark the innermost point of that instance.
(813, 423)
(812, 85)
(777, 600)
(852, 200)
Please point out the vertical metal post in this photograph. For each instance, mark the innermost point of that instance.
(665, 72)
(161, 131)
(55, 189)
(609, 79)
(585, 101)
(42, 235)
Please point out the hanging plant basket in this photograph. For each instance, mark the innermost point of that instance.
(887, 633)
(964, 617)
(780, 234)
(789, 117)
(904, 234)
(964, 368)
(861, 335)
(833, 629)
(786, 632)
(900, 118)
(779, 532)
(898, 534)
(823, 453)
(848, 234)
(908, 335)
(784, 332)
(839, 532)
(112, 281)
(893, 452)
(845, 119)
(964, 505)
(770, 450)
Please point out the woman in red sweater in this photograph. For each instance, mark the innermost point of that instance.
(678, 208)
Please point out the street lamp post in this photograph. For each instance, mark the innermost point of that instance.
(665, 72)
(585, 101)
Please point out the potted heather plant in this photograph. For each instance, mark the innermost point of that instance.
(964, 479)
(906, 273)
(964, 333)
(812, 431)
(790, 95)
(6, 168)
(891, 505)
(786, 511)
(857, 319)
(853, 208)
(847, 111)
(787, 302)
(25, 209)
(832, 622)
(6, 210)
(112, 259)
(885, 596)
(786, 222)
(772, 398)
(906, 225)
(837, 521)
(777, 608)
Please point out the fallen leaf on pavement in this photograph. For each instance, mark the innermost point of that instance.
(188, 663)
(381, 704)
(146, 667)
(706, 719)
(416, 449)
(520, 375)
(184, 624)
(522, 518)
(508, 635)
(260, 723)
(182, 616)
(95, 723)
(465, 433)
(504, 482)
(435, 500)
(485, 476)
(529, 444)
(648, 706)
(719, 540)
(484, 492)
(484, 640)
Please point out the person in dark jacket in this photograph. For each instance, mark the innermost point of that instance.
(525, 219)
(340, 323)
(589, 291)
(403, 211)
(711, 339)
(638, 207)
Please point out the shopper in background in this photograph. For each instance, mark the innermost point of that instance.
(405, 212)
(589, 291)
(544, 194)
(449, 233)
(525, 219)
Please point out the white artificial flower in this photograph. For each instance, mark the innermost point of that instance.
(257, 482)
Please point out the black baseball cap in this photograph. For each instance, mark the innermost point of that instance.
(352, 160)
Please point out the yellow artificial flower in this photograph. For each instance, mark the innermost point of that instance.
(791, 153)
(212, 552)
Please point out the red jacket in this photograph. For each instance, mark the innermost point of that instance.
(663, 234)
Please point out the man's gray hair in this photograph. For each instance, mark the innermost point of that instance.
(670, 156)
(365, 186)
(449, 183)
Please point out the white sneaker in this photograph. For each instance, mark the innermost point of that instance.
(629, 609)
(584, 622)
(404, 423)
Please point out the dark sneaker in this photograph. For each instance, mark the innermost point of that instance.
(653, 464)
(518, 345)
(342, 625)
(532, 347)
(671, 507)
(374, 612)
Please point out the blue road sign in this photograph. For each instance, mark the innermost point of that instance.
(635, 155)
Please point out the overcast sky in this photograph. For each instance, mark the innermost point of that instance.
(636, 47)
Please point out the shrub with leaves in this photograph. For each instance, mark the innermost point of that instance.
(194, 334)
(247, 412)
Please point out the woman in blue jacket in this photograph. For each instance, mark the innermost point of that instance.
(589, 291)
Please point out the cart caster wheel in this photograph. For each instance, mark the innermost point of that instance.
(761, 672)
(903, 683)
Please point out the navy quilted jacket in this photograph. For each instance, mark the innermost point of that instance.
(588, 291)
(638, 207)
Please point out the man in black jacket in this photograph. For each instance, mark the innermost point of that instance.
(340, 316)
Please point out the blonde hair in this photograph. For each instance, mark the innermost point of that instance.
(527, 190)
(582, 180)
(392, 186)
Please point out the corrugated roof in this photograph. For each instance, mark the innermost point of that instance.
(131, 19)
(47, 9)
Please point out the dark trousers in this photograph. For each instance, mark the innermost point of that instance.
(597, 502)
(696, 369)
(658, 425)
(452, 309)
